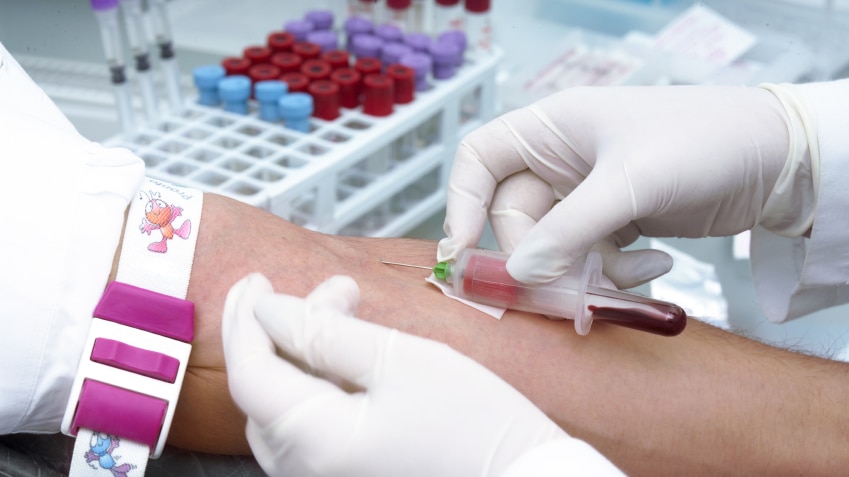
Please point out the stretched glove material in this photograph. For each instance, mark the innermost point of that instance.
(401, 405)
(597, 167)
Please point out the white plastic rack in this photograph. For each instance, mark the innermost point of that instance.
(355, 175)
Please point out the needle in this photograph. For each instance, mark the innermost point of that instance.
(387, 262)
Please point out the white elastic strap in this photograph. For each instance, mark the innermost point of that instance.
(157, 251)
(101, 455)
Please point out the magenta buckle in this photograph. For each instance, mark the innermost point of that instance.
(132, 368)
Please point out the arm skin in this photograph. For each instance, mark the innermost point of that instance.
(703, 403)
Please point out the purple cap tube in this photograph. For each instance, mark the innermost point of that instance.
(320, 19)
(418, 41)
(389, 33)
(367, 46)
(421, 64)
(298, 28)
(326, 39)
(393, 52)
(446, 57)
(354, 27)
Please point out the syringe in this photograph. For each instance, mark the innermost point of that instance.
(481, 276)
(106, 12)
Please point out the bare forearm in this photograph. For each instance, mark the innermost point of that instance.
(703, 402)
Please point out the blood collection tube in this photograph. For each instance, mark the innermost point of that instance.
(167, 57)
(404, 82)
(206, 81)
(296, 109)
(393, 52)
(264, 72)
(306, 50)
(106, 12)
(236, 66)
(478, 27)
(421, 65)
(338, 59)
(325, 95)
(481, 276)
(397, 13)
(325, 39)
(299, 29)
(316, 69)
(349, 81)
(287, 62)
(367, 66)
(134, 27)
(446, 57)
(234, 91)
(365, 9)
(297, 82)
(257, 55)
(320, 19)
(354, 27)
(447, 15)
(280, 41)
(418, 41)
(367, 46)
(456, 37)
(378, 95)
(389, 33)
(268, 94)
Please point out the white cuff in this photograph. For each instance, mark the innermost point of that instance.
(794, 277)
(565, 456)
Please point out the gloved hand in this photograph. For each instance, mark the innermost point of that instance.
(403, 405)
(680, 161)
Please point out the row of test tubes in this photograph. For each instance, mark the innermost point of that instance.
(313, 68)
(110, 15)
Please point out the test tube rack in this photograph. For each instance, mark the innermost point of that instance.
(356, 175)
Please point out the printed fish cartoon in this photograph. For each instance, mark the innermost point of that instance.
(159, 215)
(101, 449)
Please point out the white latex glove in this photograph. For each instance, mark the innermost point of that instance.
(680, 161)
(409, 406)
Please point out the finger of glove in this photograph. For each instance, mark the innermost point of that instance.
(519, 202)
(327, 341)
(597, 208)
(262, 384)
(339, 293)
(628, 269)
(484, 158)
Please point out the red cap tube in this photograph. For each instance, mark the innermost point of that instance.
(287, 62)
(325, 97)
(306, 50)
(337, 58)
(257, 55)
(367, 66)
(404, 81)
(350, 84)
(236, 66)
(281, 41)
(378, 95)
(316, 69)
(297, 82)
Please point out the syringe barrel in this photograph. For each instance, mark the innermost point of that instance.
(481, 276)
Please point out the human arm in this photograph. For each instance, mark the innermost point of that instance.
(703, 403)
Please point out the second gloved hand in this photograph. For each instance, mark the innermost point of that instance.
(681, 161)
(403, 405)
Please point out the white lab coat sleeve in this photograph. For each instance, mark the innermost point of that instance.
(557, 458)
(795, 277)
(63, 201)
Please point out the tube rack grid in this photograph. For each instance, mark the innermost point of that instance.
(355, 175)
